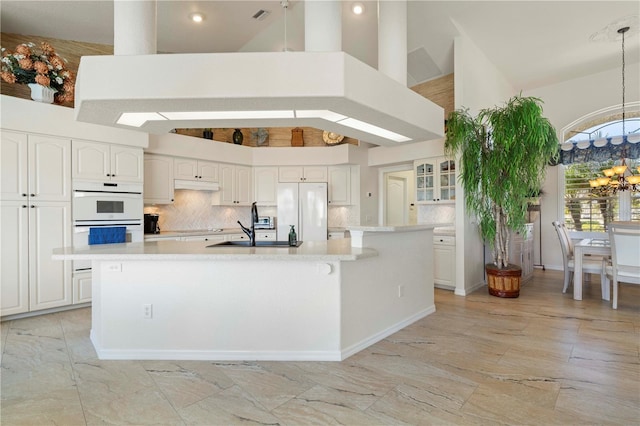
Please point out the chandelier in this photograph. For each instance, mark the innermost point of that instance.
(617, 178)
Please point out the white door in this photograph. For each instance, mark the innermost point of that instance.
(49, 169)
(50, 281)
(227, 185)
(13, 163)
(126, 164)
(208, 171)
(287, 209)
(14, 257)
(265, 184)
(91, 161)
(158, 179)
(243, 186)
(396, 209)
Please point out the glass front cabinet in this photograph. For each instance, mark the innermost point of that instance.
(435, 180)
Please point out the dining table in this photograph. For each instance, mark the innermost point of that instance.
(588, 246)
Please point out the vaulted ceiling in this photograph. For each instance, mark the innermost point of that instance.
(534, 43)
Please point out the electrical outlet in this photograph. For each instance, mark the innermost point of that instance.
(400, 291)
(147, 311)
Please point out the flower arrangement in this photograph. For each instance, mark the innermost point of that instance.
(47, 68)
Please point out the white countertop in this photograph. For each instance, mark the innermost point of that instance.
(331, 250)
(394, 228)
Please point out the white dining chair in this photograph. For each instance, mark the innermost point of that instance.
(592, 266)
(625, 256)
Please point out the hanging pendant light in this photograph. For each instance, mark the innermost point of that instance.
(616, 178)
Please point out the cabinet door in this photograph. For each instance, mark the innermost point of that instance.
(425, 181)
(49, 168)
(126, 164)
(158, 179)
(90, 161)
(290, 174)
(227, 185)
(13, 164)
(265, 236)
(265, 184)
(185, 168)
(444, 265)
(446, 180)
(315, 174)
(339, 185)
(208, 171)
(50, 283)
(82, 287)
(14, 258)
(213, 238)
(244, 187)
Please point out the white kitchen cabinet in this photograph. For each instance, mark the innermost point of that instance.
(521, 251)
(189, 169)
(106, 162)
(235, 186)
(29, 279)
(303, 174)
(158, 179)
(35, 167)
(339, 187)
(336, 235)
(236, 237)
(81, 287)
(214, 238)
(266, 235)
(435, 180)
(444, 261)
(265, 185)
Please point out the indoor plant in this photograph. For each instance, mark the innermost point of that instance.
(45, 68)
(503, 154)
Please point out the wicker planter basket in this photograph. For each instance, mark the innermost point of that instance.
(503, 282)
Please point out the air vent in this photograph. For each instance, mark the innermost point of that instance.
(261, 14)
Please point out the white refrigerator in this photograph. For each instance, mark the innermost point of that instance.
(305, 206)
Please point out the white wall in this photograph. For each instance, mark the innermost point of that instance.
(564, 103)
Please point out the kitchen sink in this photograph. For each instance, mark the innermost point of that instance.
(258, 244)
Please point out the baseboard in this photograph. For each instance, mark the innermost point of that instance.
(466, 291)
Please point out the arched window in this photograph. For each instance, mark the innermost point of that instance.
(591, 145)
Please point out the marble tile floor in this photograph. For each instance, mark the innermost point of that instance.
(540, 359)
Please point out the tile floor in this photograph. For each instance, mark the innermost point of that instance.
(540, 359)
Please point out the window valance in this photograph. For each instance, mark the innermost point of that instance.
(600, 150)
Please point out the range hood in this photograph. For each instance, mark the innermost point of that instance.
(196, 185)
(326, 90)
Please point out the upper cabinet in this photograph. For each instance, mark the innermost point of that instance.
(435, 180)
(188, 169)
(106, 162)
(265, 185)
(339, 185)
(158, 179)
(303, 174)
(35, 167)
(235, 186)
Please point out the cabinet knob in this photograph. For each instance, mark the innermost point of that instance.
(33, 207)
(24, 206)
(32, 195)
(24, 195)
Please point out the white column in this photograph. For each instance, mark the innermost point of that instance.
(134, 27)
(392, 39)
(624, 205)
(322, 26)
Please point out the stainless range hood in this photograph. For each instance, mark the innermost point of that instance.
(326, 90)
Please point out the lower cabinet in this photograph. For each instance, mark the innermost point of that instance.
(212, 238)
(29, 279)
(336, 235)
(265, 235)
(81, 287)
(444, 261)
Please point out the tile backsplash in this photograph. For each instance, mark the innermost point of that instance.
(436, 213)
(193, 210)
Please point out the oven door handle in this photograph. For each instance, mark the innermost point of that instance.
(106, 194)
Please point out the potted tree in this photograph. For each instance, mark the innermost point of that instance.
(503, 153)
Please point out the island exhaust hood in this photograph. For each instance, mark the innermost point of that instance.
(195, 185)
(326, 90)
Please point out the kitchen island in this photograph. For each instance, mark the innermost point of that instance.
(321, 301)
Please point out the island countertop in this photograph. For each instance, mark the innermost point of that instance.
(393, 228)
(331, 250)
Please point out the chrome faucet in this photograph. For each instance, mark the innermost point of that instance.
(251, 232)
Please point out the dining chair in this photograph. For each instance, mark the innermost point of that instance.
(625, 256)
(593, 266)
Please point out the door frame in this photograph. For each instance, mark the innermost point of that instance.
(382, 189)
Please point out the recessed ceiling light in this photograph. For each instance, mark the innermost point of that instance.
(196, 17)
(357, 8)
